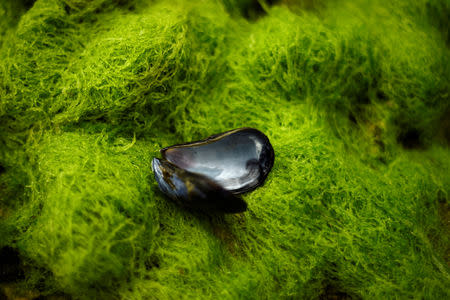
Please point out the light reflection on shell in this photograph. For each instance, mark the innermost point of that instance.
(205, 174)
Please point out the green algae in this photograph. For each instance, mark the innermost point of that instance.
(352, 94)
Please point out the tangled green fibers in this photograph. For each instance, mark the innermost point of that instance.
(354, 96)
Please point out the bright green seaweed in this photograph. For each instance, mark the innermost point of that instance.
(354, 96)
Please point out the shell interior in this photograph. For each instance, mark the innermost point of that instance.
(194, 190)
(238, 160)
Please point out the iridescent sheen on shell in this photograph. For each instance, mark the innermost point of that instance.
(239, 160)
(209, 173)
(194, 190)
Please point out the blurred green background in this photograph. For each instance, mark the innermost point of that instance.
(353, 94)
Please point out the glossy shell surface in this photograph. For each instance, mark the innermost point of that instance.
(194, 190)
(238, 160)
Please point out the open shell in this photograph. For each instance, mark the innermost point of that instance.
(208, 174)
(194, 190)
(239, 160)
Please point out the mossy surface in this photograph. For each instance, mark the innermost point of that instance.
(354, 96)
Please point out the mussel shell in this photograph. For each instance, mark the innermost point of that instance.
(238, 160)
(194, 190)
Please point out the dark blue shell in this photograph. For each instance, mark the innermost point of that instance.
(207, 174)
(194, 190)
(239, 160)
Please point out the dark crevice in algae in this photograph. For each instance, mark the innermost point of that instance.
(10, 265)
(410, 139)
